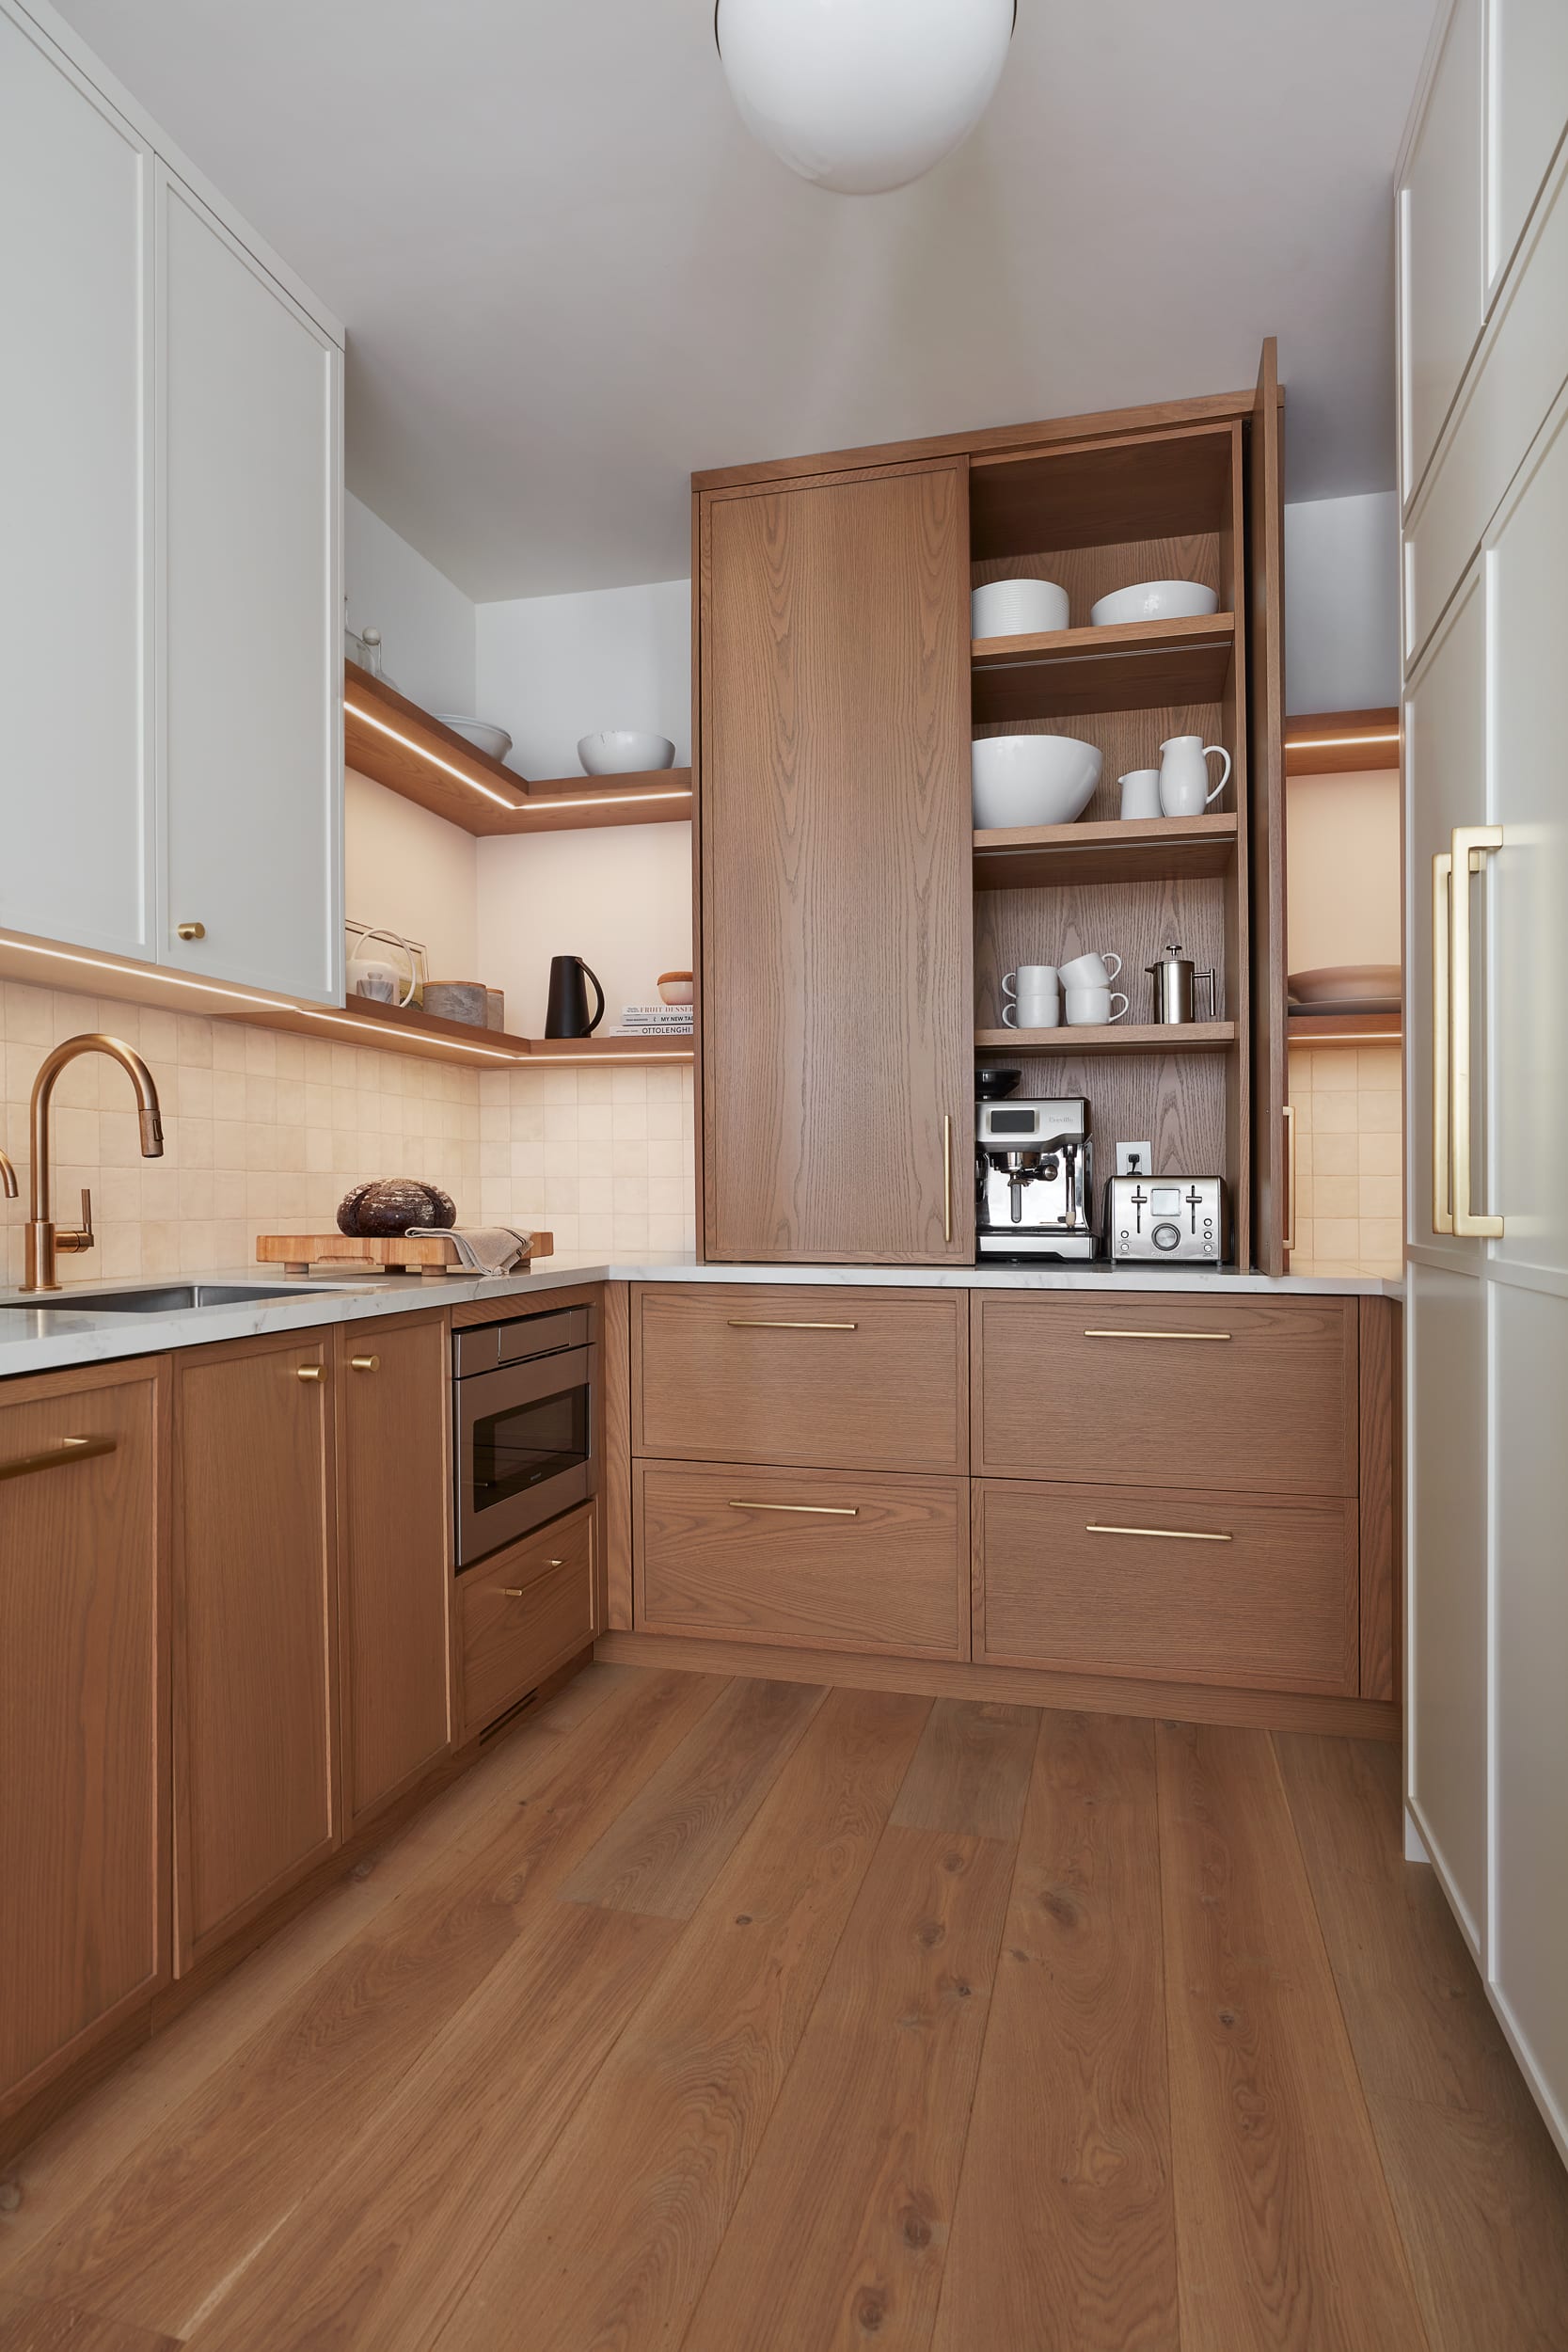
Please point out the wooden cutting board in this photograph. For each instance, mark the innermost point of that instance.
(299, 1253)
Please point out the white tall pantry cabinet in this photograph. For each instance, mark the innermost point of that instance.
(170, 600)
(1484, 425)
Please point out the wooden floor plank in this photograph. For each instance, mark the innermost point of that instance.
(971, 1773)
(1480, 2195)
(1286, 2236)
(28, 2326)
(612, 2244)
(95, 2138)
(839, 2234)
(188, 2211)
(663, 1852)
(1064, 2238)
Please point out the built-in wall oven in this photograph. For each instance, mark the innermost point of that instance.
(523, 1442)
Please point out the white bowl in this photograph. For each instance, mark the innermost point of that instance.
(623, 752)
(1017, 608)
(1032, 779)
(494, 741)
(1155, 601)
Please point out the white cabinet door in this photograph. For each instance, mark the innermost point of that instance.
(1526, 79)
(1442, 262)
(76, 829)
(253, 717)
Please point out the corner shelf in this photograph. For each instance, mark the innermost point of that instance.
(1157, 849)
(1138, 665)
(1122, 1037)
(410, 1026)
(390, 739)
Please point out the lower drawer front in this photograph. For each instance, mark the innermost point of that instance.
(522, 1614)
(819, 1559)
(1063, 1582)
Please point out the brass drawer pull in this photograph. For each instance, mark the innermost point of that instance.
(1172, 1534)
(366, 1363)
(310, 1371)
(68, 1450)
(773, 1322)
(1157, 1335)
(816, 1510)
(519, 1592)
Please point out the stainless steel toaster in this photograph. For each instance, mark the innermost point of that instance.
(1166, 1217)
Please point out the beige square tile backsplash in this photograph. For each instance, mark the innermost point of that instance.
(1349, 1159)
(265, 1131)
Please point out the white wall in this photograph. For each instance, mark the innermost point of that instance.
(427, 626)
(550, 669)
(1343, 604)
(620, 897)
(408, 871)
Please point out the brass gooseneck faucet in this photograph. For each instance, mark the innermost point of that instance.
(43, 1237)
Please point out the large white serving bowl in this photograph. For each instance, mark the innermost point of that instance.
(1155, 601)
(1017, 608)
(625, 751)
(1032, 779)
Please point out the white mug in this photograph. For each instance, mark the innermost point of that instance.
(1034, 1013)
(1091, 971)
(1140, 792)
(1030, 980)
(1091, 1008)
(1183, 777)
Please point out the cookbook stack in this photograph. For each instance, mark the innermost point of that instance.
(654, 1020)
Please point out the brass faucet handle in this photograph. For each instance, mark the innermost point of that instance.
(84, 1238)
(8, 1177)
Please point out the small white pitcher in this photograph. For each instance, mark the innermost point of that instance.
(1184, 778)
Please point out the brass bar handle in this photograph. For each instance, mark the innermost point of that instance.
(773, 1323)
(366, 1363)
(1157, 1335)
(1442, 1074)
(948, 1177)
(814, 1510)
(1472, 846)
(68, 1450)
(513, 1591)
(1288, 1238)
(1169, 1535)
(310, 1371)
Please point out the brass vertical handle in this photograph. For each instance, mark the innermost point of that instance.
(1472, 846)
(1288, 1238)
(1442, 1149)
(948, 1177)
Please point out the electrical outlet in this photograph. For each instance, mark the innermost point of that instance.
(1134, 1159)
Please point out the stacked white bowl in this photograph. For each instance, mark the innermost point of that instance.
(1017, 608)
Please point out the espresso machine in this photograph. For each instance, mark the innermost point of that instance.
(1034, 1179)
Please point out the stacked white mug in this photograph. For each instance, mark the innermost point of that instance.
(1034, 996)
(1087, 982)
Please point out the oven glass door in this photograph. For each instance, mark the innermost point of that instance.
(524, 1450)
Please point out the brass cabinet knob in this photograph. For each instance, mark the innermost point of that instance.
(512, 1591)
(366, 1363)
(310, 1371)
(190, 930)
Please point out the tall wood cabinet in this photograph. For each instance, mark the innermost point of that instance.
(1484, 463)
(855, 928)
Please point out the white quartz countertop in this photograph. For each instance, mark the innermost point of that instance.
(54, 1335)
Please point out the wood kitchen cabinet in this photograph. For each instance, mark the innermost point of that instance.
(83, 1712)
(835, 839)
(256, 1715)
(394, 1553)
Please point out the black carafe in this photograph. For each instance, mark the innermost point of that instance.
(567, 1014)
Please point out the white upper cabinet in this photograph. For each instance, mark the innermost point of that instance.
(170, 612)
(252, 682)
(1442, 267)
(1526, 73)
(76, 792)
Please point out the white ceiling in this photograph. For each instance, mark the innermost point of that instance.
(570, 276)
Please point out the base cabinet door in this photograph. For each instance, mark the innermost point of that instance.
(255, 1696)
(523, 1613)
(394, 1570)
(84, 1750)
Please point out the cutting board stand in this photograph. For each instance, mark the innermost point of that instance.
(404, 1253)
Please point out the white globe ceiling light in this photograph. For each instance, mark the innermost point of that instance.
(863, 95)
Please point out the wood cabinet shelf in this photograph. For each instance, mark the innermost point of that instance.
(1158, 849)
(1322, 1027)
(409, 1028)
(1122, 1037)
(1142, 666)
(390, 739)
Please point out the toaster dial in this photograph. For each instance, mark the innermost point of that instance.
(1166, 1236)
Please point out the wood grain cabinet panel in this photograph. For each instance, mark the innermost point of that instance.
(84, 1750)
(851, 1380)
(522, 1614)
(1235, 1589)
(255, 1714)
(1248, 1395)
(824, 1559)
(394, 1566)
(835, 834)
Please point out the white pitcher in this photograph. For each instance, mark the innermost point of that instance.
(1184, 778)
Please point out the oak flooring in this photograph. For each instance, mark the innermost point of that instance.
(754, 2017)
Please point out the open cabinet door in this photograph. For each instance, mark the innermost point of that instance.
(1272, 1209)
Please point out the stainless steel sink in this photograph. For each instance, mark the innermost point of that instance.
(166, 1298)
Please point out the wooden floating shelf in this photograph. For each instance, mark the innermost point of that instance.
(409, 1024)
(1341, 743)
(395, 743)
(1321, 1027)
(1140, 665)
(1122, 1037)
(1157, 849)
